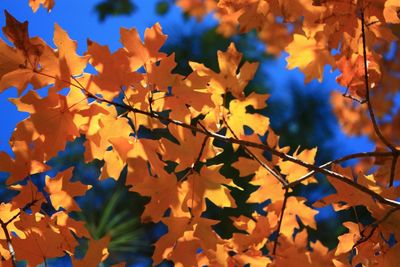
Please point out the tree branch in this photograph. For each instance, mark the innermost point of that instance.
(254, 157)
(261, 146)
(8, 237)
(345, 158)
(9, 244)
(367, 91)
(393, 169)
(280, 221)
(374, 225)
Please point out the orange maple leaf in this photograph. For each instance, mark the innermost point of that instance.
(62, 191)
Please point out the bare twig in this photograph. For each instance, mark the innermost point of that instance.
(345, 158)
(367, 91)
(254, 157)
(261, 146)
(9, 244)
(393, 169)
(7, 234)
(374, 225)
(361, 101)
(280, 222)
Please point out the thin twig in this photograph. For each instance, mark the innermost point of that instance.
(393, 169)
(193, 169)
(9, 244)
(280, 222)
(8, 237)
(130, 104)
(261, 146)
(345, 158)
(254, 157)
(374, 225)
(361, 101)
(367, 91)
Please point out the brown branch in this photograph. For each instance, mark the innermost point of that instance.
(8, 237)
(361, 101)
(345, 158)
(192, 169)
(374, 225)
(280, 221)
(9, 244)
(393, 169)
(367, 91)
(254, 157)
(261, 146)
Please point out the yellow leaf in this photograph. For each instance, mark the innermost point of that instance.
(309, 55)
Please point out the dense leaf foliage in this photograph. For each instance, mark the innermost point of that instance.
(164, 134)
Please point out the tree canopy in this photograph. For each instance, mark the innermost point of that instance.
(196, 143)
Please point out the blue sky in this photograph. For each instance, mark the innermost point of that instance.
(80, 20)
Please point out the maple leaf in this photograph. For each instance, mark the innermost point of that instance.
(209, 183)
(38, 63)
(11, 59)
(348, 240)
(310, 55)
(164, 193)
(274, 35)
(26, 162)
(64, 222)
(115, 159)
(5, 254)
(103, 130)
(51, 123)
(180, 92)
(269, 186)
(391, 11)
(308, 30)
(229, 79)
(7, 212)
(258, 229)
(345, 195)
(176, 228)
(96, 253)
(197, 8)
(187, 151)
(25, 55)
(253, 15)
(144, 151)
(292, 170)
(68, 63)
(35, 4)
(113, 71)
(28, 196)
(239, 117)
(62, 191)
(42, 239)
(253, 258)
(295, 209)
(353, 74)
(391, 258)
(185, 236)
(17, 33)
(350, 115)
(140, 53)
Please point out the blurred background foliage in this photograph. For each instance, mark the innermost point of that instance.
(302, 117)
